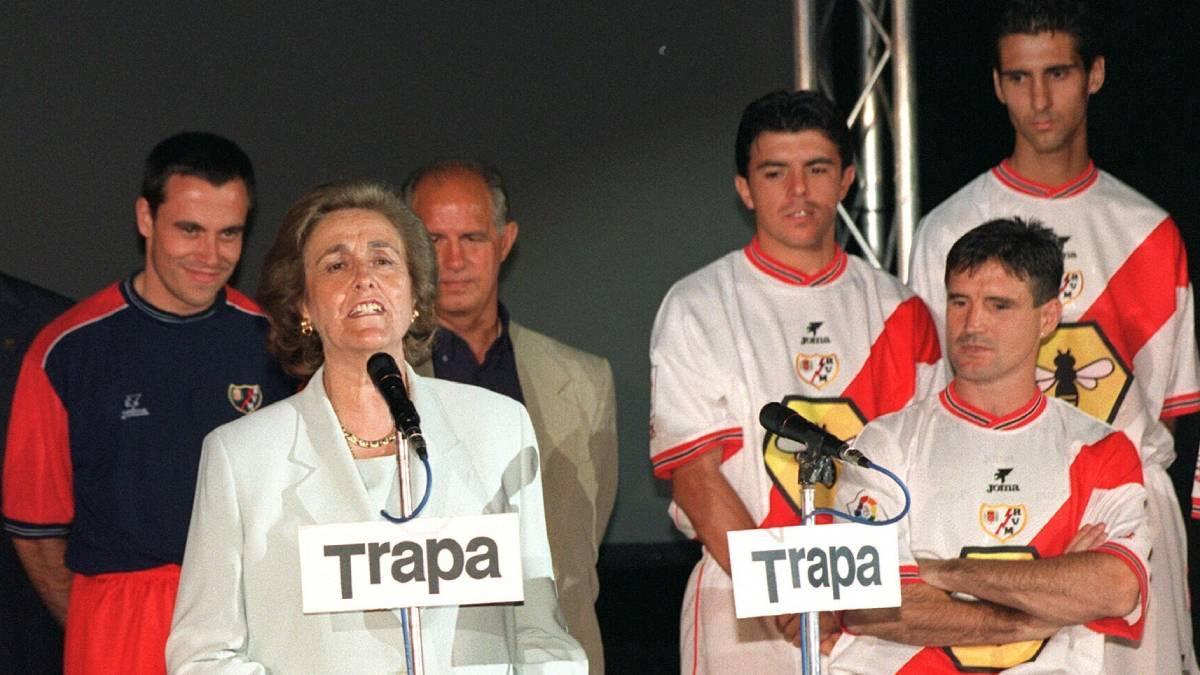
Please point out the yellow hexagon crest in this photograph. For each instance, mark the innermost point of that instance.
(992, 658)
(838, 416)
(1078, 365)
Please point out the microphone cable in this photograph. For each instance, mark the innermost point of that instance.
(866, 521)
(424, 457)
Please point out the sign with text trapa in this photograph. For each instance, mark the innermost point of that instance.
(468, 560)
(786, 570)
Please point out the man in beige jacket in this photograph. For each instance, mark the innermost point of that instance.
(569, 393)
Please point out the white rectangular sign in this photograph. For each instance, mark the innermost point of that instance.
(427, 562)
(785, 570)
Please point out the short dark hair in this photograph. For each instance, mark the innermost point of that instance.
(214, 158)
(1030, 17)
(792, 112)
(1027, 249)
(487, 173)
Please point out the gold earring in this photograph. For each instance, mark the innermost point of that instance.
(306, 327)
(416, 314)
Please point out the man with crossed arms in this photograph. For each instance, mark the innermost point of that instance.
(1027, 541)
(1125, 351)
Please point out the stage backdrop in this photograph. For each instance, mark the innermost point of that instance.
(614, 123)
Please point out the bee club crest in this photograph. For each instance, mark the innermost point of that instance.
(245, 398)
(1003, 521)
(1078, 364)
(1072, 286)
(817, 370)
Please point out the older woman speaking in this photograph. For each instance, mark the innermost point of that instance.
(351, 274)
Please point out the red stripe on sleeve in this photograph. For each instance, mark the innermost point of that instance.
(728, 441)
(1183, 404)
(1116, 625)
(888, 377)
(1140, 296)
(910, 574)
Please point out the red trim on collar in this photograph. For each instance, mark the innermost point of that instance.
(790, 275)
(1016, 419)
(1006, 174)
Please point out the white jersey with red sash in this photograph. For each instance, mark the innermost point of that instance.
(1012, 487)
(842, 346)
(1125, 351)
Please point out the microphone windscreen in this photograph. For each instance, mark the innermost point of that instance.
(381, 365)
(773, 415)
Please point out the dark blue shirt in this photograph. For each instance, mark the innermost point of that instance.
(140, 388)
(453, 360)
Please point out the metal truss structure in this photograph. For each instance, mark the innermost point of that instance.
(882, 117)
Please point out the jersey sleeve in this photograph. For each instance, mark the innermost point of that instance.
(1118, 501)
(1181, 367)
(690, 411)
(1183, 387)
(38, 497)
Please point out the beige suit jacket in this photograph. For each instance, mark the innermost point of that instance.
(571, 400)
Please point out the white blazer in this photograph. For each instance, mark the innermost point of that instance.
(265, 475)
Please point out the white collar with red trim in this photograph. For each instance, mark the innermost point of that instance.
(1008, 176)
(790, 275)
(1022, 416)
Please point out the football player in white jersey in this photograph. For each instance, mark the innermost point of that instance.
(1126, 349)
(1027, 531)
(789, 317)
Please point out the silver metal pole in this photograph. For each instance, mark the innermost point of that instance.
(904, 130)
(870, 160)
(404, 459)
(804, 28)
(812, 620)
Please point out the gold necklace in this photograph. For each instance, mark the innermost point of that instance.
(369, 445)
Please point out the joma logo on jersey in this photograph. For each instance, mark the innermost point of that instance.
(1066, 254)
(1002, 484)
(1078, 365)
(245, 398)
(1002, 521)
(133, 407)
(812, 338)
(838, 416)
(817, 370)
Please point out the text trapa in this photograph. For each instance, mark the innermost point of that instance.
(432, 562)
(837, 567)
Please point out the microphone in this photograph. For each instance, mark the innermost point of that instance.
(783, 421)
(386, 375)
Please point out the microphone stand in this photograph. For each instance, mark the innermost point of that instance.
(814, 467)
(406, 509)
